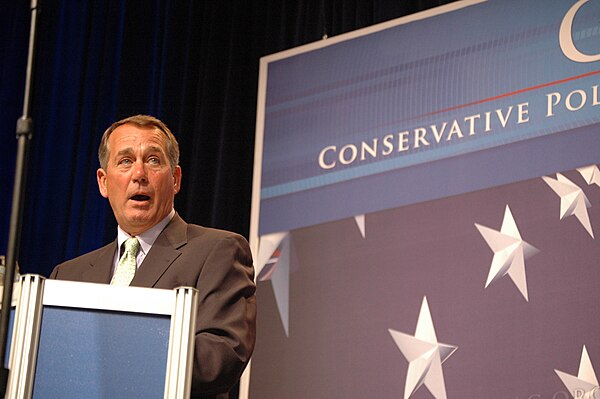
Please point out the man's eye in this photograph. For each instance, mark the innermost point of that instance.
(154, 160)
(125, 161)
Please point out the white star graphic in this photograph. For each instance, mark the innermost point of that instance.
(591, 174)
(279, 273)
(425, 356)
(585, 385)
(510, 252)
(572, 200)
(360, 223)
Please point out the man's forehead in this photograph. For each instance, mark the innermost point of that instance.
(144, 147)
(133, 136)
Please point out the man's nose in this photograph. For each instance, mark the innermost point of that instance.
(139, 172)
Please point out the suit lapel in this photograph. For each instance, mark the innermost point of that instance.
(163, 253)
(100, 268)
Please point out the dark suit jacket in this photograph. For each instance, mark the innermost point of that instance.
(217, 263)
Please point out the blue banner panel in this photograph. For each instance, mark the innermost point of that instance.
(461, 83)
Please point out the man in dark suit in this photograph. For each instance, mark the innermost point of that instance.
(140, 176)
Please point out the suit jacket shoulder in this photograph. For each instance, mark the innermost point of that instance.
(184, 252)
(93, 267)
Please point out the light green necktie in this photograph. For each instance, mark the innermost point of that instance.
(127, 264)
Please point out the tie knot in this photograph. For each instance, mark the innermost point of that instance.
(132, 246)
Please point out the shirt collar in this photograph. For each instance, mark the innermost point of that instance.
(148, 237)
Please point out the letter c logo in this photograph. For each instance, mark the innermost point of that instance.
(566, 40)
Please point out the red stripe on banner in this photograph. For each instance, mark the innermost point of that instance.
(485, 100)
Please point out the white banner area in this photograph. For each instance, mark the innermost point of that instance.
(426, 206)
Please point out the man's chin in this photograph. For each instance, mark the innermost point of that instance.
(138, 222)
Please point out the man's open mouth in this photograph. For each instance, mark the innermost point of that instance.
(140, 197)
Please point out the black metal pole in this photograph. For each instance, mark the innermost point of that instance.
(24, 134)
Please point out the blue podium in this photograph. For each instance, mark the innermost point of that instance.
(83, 340)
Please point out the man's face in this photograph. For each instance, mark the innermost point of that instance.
(138, 180)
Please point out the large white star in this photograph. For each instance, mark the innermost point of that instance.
(510, 252)
(425, 356)
(572, 200)
(585, 385)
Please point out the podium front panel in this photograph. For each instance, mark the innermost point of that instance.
(11, 317)
(102, 341)
(88, 353)
(11, 323)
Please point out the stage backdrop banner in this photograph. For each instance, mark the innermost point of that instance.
(426, 200)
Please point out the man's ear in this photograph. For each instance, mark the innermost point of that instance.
(101, 177)
(177, 178)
